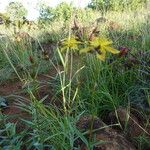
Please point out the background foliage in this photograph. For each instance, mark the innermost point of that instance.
(16, 11)
(116, 5)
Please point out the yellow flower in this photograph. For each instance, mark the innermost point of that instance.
(18, 39)
(71, 43)
(101, 46)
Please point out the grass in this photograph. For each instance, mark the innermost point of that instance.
(82, 85)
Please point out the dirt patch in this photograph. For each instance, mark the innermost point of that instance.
(132, 121)
(10, 88)
(98, 130)
(125, 125)
(15, 115)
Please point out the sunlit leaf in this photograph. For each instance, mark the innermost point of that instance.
(112, 50)
(85, 50)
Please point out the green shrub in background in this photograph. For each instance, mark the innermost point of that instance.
(16, 11)
(83, 15)
(116, 5)
(46, 14)
(63, 11)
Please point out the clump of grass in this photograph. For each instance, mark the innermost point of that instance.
(97, 87)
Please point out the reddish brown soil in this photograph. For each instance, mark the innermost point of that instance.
(114, 138)
(8, 88)
(95, 128)
(16, 88)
